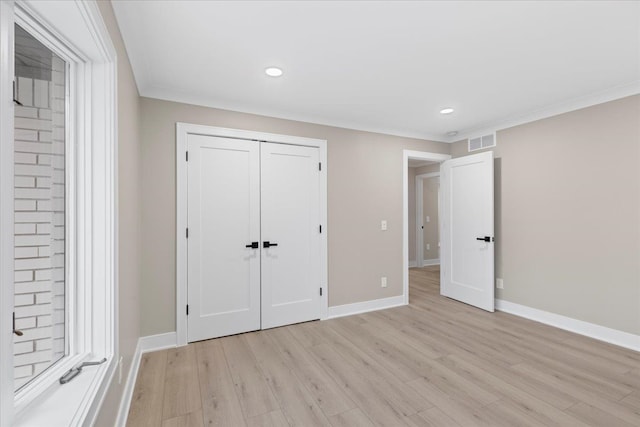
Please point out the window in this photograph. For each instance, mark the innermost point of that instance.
(40, 336)
(57, 211)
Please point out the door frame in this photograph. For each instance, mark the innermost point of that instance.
(419, 155)
(182, 132)
(420, 214)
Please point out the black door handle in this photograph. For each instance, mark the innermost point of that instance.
(484, 239)
(253, 245)
(267, 244)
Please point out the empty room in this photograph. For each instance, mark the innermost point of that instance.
(319, 213)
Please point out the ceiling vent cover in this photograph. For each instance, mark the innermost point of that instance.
(482, 142)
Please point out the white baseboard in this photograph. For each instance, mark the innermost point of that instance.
(157, 342)
(602, 333)
(127, 393)
(425, 263)
(365, 306)
(145, 345)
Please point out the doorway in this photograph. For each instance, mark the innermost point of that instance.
(412, 160)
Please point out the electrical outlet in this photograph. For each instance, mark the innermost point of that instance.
(383, 225)
(120, 370)
(427, 219)
(383, 282)
(499, 284)
(428, 247)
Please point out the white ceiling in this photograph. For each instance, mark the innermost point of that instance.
(386, 66)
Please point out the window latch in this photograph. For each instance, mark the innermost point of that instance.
(14, 94)
(75, 371)
(16, 331)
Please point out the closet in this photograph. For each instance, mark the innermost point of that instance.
(253, 235)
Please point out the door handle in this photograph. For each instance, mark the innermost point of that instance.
(253, 245)
(484, 239)
(267, 244)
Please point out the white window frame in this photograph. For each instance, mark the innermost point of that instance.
(76, 32)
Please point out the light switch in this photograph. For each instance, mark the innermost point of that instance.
(427, 219)
(383, 225)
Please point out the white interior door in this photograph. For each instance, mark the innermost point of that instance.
(223, 218)
(467, 252)
(290, 220)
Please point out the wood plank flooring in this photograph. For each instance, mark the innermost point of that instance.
(436, 362)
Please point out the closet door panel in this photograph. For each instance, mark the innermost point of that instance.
(290, 218)
(223, 217)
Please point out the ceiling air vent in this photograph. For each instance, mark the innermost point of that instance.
(482, 142)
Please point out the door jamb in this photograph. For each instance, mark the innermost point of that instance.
(420, 214)
(420, 155)
(182, 131)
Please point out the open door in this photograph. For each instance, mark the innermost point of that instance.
(467, 252)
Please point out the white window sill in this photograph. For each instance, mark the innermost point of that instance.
(70, 404)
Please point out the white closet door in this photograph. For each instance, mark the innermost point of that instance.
(223, 218)
(291, 220)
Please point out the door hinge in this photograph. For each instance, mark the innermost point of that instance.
(187, 309)
(187, 232)
(187, 156)
(319, 166)
(320, 291)
(320, 226)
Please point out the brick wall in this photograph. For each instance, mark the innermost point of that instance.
(39, 224)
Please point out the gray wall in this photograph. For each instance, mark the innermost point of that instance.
(411, 205)
(431, 233)
(129, 190)
(364, 187)
(430, 205)
(568, 214)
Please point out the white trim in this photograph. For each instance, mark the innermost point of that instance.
(182, 130)
(6, 215)
(129, 386)
(204, 101)
(607, 95)
(602, 333)
(145, 345)
(157, 342)
(428, 262)
(589, 100)
(78, 33)
(365, 306)
(423, 155)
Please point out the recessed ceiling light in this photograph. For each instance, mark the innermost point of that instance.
(273, 71)
(452, 133)
(446, 111)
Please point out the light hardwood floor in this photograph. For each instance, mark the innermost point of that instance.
(436, 362)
